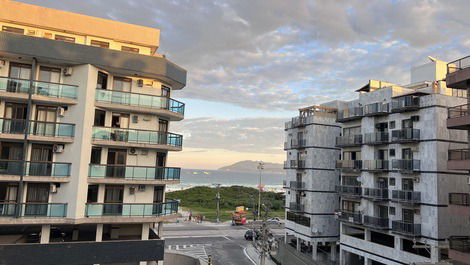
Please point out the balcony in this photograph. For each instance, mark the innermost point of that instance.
(376, 222)
(459, 204)
(294, 164)
(349, 140)
(406, 166)
(459, 159)
(34, 210)
(349, 191)
(10, 170)
(405, 103)
(459, 248)
(376, 109)
(297, 185)
(458, 117)
(125, 101)
(458, 73)
(349, 114)
(296, 207)
(131, 209)
(38, 130)
(295, 144)
(133, 174)
(405, 196)
(407, 135)
(296, 122)
(349, 166)
(376, 138)
(350, 217)
(137, 138)
(406, 229)
(18, 89)
(375, 165)
(375, 194)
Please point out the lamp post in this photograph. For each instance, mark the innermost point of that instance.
(260, 168)
(217, 197)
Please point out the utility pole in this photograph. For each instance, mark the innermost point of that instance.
(217, 197)
(260, 168)
(263, 244)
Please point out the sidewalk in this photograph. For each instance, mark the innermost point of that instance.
(253, 254)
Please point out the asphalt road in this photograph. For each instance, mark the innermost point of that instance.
(224, 243)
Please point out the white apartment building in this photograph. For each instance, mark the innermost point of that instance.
(394, 177)
(85, 114)
(310, 183)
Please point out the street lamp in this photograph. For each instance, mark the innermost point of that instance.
(260, 168)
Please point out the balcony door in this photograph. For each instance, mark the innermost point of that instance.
(407, 154)
(158, 199)
(8, 193)
(46, 117)
(407, 184)
(117, 159)
(382, 183)
(41, 158)
(15, 118)
(113, 198)
(382, 211)
(161, 162)
(120, 120)
(408, 216)
(37, 199)
(19, 71)
(122, 84)
(11, 158)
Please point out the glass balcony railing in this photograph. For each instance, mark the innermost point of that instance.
(378, 108)
(47, 89)
(294, 164)
(405, 135)
(38, 128)
(351, 217)
(406, 228)
(405, 103)
(134, 172)
(349, 114)
(346, 190)
(131, 209)
(34, 210)
(137, 136)
(139, 100)
(462, 199)
(460, 244)
(349, 165)
(458, 111)
(376, 138)
(42, 169)
(377, 222)
(349, 140)
(406, 196)
(406, 165)
(375, 194)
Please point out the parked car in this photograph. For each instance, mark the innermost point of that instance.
(249, 234)
(274, 220)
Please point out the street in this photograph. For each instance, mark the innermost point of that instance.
(225, 243)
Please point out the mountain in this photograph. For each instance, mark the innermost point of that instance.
(249, 165)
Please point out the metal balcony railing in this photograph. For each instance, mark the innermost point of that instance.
(349, 140)
(38, 128)
(33, 168)
(458, 111)
(351, 217)
(375, 194)
(346, 190)
(405, 196)
(349, 114)
(375, 165)
(376, 138)
(296, 207)
(459, 154)
(459, 64)
(297, 143)
(134, 172)
(131, 209)
(137, 136)
(460, 243)
(139, 100)
(33, 210)
(349, 165)
(462, 199)
(405, 103)
(406, 165)
(376, 222)
(47, 89)
(405, 228)
(405, 135)
(378, 108)
(297, 185)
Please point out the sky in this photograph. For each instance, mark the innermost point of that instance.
(252, 64)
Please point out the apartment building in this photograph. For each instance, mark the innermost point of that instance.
(310, 183)
(458, 77)
(394, 177)
(85, 114)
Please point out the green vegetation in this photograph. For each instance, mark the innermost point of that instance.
(201, 201)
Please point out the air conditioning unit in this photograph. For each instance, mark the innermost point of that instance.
(141, 187)
(68, 71)
(58, 148)
(144, 152)
(53, 188)
(416, 180)
(468, 180)
(417, 211)
(131, 190)
(135, 119)
(60, 112)
(132, 151)
(140, 83)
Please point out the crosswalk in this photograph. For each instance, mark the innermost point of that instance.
(196, 250)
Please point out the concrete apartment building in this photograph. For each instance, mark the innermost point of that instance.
(85, 113)
(395, 182)
(311, 179)
(458, 77)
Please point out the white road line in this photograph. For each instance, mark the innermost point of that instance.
(246, 254)
(211, 236)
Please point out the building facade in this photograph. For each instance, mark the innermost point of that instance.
(394, 177)
(310, 183)
(85, 107)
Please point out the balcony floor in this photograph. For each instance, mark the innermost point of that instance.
(459, 123)
(170, 115)
(23, 97)
(14, 178)
(136, 145)
(458, 164)
(132, 181)
(36, 138)
(84, 220)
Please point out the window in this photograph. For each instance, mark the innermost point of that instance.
(65, 38)
(408, 216)
(392, 211)
(408, 123)
(92, 195)
(158, 194)
(129, 49)
(102, 82)
(20, 71)
(391, 181)
(407, 184)
(461, 93)
(13, 29)
(165, 91)
(122, 84)
(48, 74)
(392, 125)
(101, 44)
(162, 126)
(392, 152)
(350, 206)
(99, 118)
(95, 155)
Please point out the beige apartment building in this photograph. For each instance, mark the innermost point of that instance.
(85, 112)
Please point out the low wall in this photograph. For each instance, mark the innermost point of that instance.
(172, 258)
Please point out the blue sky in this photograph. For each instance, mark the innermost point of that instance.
(252, 64)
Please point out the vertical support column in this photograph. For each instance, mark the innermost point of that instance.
(99, 232)
(298, 244)
(314, 250)
(435, 251)
(101, 191)
(367, 235)
(397, 243)
(285, 238)
(333, 252)
(366, 260)
(45, 234)
(342, 257)
(145, 231)
(75, 233)
(160, 229)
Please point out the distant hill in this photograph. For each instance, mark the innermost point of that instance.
(249, 165)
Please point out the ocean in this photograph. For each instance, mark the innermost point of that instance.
(199, 177)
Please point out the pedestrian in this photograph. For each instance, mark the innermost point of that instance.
(190, 215)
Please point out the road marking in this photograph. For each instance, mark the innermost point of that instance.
(246, 254)
(197, 250)
(209, 236)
